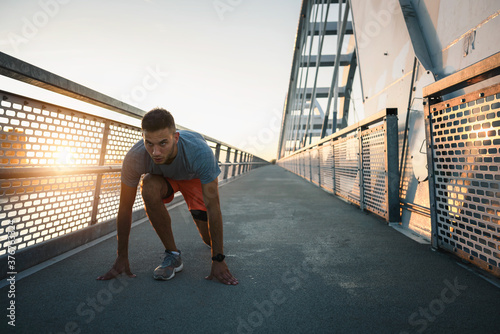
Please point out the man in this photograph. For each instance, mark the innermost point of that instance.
(171, 161)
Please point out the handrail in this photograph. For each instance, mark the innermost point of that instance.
(36, 76)
(22, 172)
(470, 75)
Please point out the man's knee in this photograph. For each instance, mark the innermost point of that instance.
(153, 187)
(199, 215)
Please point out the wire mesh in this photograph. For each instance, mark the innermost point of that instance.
(327, 167)
(374, 170)
(346, 155)
(337, 165)
(466, 156)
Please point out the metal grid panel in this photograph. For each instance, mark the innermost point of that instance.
(361, 150)
(45, 207)
(35, 133)
(294, 164)
(315, 171)
(302, 164)
(466, 151)
(307, 165)
(346, 153)
(120, 139)
(327, 167)
(109, 199)
(298, 165)
(374, 172)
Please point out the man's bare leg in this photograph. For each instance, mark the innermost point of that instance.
(202, 226)
(154, 189)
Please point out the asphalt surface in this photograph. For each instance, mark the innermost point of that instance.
(307, 262)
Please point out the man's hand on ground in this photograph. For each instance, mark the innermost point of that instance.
(221, 272)
(120, 266)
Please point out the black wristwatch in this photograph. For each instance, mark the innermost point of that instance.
(219, 257)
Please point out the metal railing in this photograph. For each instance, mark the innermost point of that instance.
(358, 163)
(60, 168)
(463, 154)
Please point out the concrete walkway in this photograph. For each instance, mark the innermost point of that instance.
(307, 263)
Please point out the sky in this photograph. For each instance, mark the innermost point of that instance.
(221, 67)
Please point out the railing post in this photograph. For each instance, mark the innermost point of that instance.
(392, 166)
(217, 152)
(320, 156)
(430, 166)
(226, 169)
(98, 181)
(359, 132)
(235, 160)
(334, 188)
(240, 165)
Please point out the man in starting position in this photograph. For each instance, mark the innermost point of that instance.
(171, 161)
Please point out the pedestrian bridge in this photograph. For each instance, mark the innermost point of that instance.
(307, 261)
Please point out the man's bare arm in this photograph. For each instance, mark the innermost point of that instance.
(123, 225)
(211, 198)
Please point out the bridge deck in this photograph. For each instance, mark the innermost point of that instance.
(307, 263)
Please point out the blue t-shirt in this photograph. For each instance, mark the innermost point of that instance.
(194, 160)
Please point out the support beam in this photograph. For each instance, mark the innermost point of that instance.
(321, 92)
(331, 29)
(417, 39)
(329, 60)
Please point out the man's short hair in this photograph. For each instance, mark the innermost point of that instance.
(157, 119)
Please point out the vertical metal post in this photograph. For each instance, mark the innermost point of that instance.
(245, 166)
(430, 167)
(334, 188)
(392, 167)
(320, 150)
(360, 169)
(98, 182)
(226, 170)
(235, 160)
(240, 163)
(217, 152)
